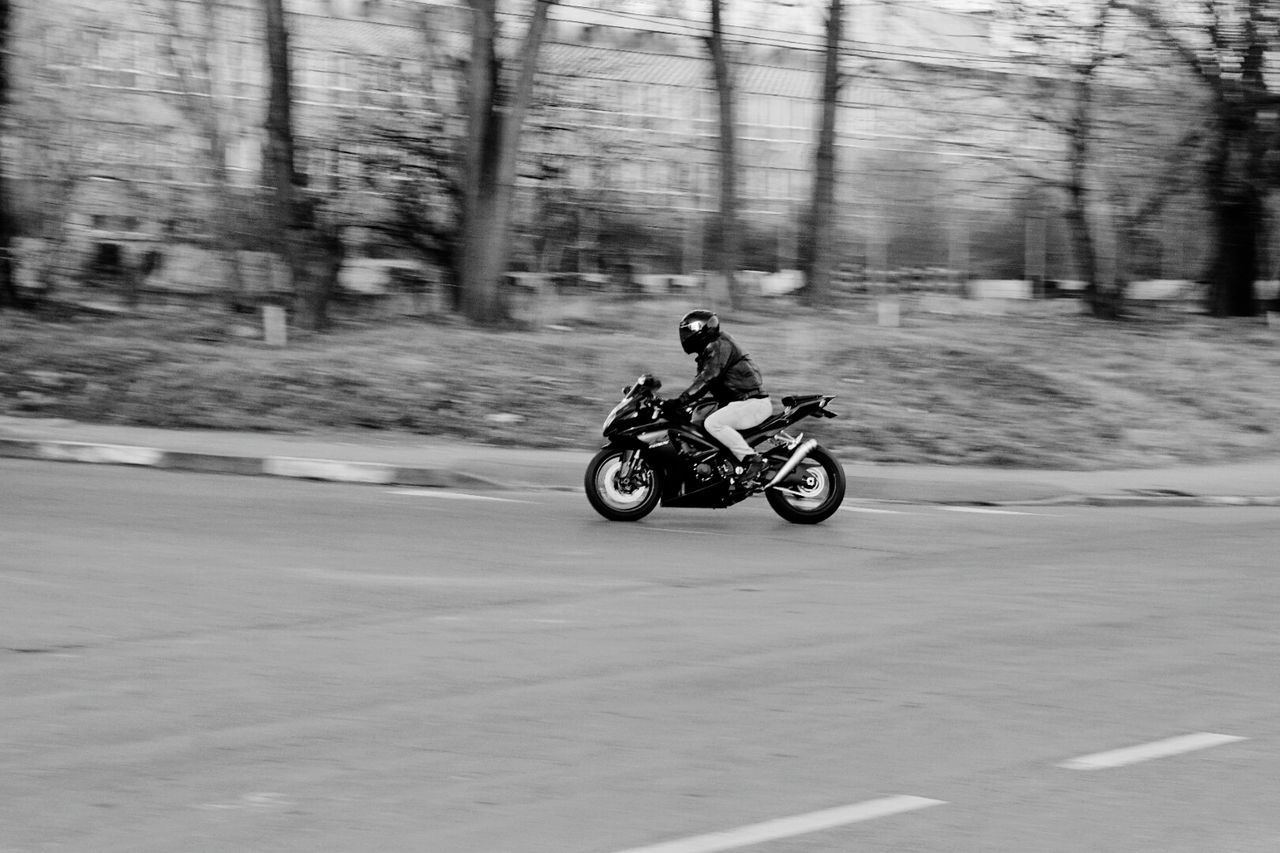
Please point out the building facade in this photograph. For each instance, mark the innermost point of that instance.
(932, 153)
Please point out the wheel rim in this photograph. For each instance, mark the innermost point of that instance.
(623, 496)
(812, 493)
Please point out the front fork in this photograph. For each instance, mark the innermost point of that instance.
(628, 467)
(628, 462)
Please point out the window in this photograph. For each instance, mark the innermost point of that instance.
(240, 69)
(313, 76)
(244, 154)
(88, 46)
(756, 115)
(632, 175)
(342, 77)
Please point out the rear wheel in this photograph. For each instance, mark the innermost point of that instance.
(620, 497)
(816, 496)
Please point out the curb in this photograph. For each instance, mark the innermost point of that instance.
(368, 473)
(377, 473)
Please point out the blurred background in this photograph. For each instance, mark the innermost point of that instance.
(290, 235)
(204, 149)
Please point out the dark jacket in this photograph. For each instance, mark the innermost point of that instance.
(725, 372)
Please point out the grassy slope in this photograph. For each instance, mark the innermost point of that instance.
(1024, 390)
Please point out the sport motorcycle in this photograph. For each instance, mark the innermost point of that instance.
(650, 458)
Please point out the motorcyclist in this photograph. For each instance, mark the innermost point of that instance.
(732, 379)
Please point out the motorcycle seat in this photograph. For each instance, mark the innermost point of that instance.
(789, 403)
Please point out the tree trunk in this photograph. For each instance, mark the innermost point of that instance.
(728, 248)
(494, 126)
(8, 280)
(8, 286)
(822, 215)
(1237, 175)
(480, 296)
(1236, 259)
(280, 160)
(319, 252)
(1077, 214)
(311, 252)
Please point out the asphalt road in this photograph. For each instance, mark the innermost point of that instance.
(202, 663)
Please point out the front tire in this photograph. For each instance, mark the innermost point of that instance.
(818, 497)
(618, 498)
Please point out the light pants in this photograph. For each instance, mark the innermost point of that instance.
(724, 423)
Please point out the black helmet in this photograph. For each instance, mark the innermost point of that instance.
(697, 329)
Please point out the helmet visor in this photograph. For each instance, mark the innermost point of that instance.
(691, 333)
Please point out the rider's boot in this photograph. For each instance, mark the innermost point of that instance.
(749, 470)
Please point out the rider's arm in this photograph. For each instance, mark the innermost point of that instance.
(717, 357)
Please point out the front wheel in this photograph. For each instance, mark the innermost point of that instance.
(818, 494)
(618, 496)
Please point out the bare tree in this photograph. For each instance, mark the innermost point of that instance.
(1104, 297)
(822, 211)
(414, 163)
(1100, 95)
(8, 287)
(312, 248)
(186, 46)
(584, 213)
(281, 173)
(413, 167)
(496, 114)
(1226, 46)
(728, 243)
(61, 125)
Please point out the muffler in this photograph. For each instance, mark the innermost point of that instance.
(797, 456)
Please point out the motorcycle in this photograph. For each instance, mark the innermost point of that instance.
(650, 458)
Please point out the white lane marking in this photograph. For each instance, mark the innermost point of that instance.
(984, 510)
(1148, 751)
(18, 579)
(257, 800)
(788, 827)
(507, 581)
(506, 620)
(872, 510)
(450, 495)
(690, 532)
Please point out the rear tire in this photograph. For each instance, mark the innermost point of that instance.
(615, 499)
(818, 497)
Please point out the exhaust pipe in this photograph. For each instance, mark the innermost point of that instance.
(797, 456)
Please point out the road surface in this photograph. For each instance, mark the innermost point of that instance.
(203, 663)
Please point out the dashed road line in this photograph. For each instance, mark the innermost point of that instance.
(979, 510)
(873, 510)
(984, 510)
(448, 494)
(789, 827)
(1147, 751)
(689, 532)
